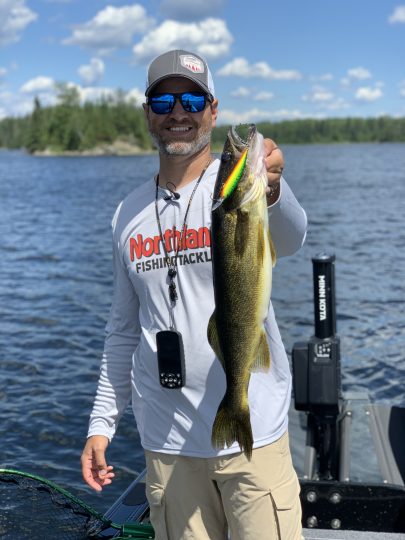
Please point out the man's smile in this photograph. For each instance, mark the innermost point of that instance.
(180, 129)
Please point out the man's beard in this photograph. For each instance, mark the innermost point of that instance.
(182, 148)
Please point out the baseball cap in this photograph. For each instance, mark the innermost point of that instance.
(179, 63)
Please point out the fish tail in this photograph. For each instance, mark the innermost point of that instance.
(230, 426)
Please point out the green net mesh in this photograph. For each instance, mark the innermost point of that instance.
(32, 508)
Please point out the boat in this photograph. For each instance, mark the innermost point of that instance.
(333, 429)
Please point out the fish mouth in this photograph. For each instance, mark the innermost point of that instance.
(242, 135)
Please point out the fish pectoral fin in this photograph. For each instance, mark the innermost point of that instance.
(262, 362)
(213, 338)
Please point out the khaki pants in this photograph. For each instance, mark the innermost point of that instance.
(198, 499)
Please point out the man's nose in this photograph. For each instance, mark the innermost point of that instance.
(178, 109)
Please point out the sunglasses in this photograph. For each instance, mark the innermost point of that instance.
(192, 102)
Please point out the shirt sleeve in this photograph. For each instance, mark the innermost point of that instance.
(122, 338)
(288, 222)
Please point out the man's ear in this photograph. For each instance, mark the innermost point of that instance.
(146, 110)
(214, 112)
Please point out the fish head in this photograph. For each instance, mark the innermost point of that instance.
(241, 161)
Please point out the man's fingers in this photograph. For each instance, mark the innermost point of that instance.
(271, 147)
(96, 473)
(101, 464)
(275, 169)
(273, 160)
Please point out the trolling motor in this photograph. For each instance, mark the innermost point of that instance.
(317, 377)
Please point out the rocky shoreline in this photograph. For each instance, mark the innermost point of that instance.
(117, 148)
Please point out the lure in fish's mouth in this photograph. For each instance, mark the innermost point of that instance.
(232, 181)
(239, 144)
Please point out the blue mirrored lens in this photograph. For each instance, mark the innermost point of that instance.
(190, 101)
(193, 102)
(162, 104)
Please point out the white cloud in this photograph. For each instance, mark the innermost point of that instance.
(14, 17)
(402, 88)
(37, 85)
(42, 87)
(186, 10)
(263, 96)
(318, 94)
(240, 67)
(136, 95)
(3, 72)
(227, 116)
(15, 104)
(368, 94)
(359, 74)
(335, 105)
(92, 73)
(96, 93)
(111, 28)
(209, 38)
(241, 91)
(398, 16)
(93, 93)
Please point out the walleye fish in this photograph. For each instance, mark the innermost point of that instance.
(242, 258)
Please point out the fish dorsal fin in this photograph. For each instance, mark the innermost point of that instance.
(262, 362)
(213, 338)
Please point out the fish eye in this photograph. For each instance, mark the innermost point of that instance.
(226, 156)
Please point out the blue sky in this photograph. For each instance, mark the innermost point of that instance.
(270, 60)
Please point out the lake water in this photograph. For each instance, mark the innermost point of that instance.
(55, 290)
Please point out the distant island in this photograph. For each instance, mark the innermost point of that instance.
(117, 126)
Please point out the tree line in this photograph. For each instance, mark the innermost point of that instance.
(72, 126)
(331, 130)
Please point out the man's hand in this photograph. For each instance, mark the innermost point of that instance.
(96, 473)
(274, 162)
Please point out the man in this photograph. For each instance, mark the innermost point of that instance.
(195, 491)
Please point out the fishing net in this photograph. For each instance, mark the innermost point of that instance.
(32, 508)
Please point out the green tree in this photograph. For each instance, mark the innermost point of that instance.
(36, 134)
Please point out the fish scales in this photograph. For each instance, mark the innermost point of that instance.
(242, 259)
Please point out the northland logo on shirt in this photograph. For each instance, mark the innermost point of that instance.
(145, 252)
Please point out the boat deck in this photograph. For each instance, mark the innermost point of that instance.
(322, 534)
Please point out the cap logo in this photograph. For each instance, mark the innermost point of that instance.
(192, 63)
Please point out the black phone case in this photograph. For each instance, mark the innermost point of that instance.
(170, 354)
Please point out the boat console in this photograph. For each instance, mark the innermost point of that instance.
(342, 430)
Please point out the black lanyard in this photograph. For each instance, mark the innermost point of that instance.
(172, 264)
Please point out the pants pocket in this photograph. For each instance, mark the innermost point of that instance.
(287, 509)
(156, 498)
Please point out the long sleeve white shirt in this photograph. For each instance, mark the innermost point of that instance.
(180, 421)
